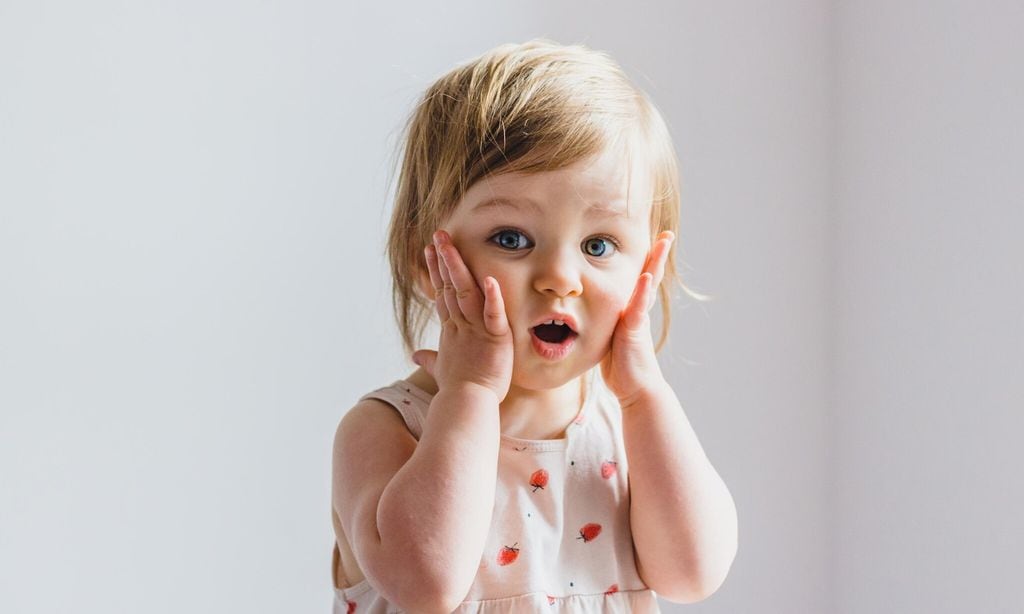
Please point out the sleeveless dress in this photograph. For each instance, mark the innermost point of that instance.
(560, 538)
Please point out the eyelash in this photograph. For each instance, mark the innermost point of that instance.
(494, 239)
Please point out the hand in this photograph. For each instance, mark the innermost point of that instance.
(476, 341)
(630, 365)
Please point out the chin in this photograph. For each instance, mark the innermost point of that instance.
(547, 376)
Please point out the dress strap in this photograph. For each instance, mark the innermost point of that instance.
(411, 403)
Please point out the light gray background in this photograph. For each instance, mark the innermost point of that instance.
(193, 198)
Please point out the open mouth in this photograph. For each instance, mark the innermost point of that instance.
(553, 339)
(553, 333)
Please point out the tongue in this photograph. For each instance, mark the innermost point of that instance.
(552, 333)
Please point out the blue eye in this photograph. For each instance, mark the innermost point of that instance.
(598, 247)
(511, 239)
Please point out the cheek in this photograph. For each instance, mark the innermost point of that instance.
(611, 296)
(624, 292)
(609, 300)
(508, 281)
(624, 284)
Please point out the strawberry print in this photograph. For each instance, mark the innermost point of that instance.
(589, 531)
(351, 606)
(551, 600)
(608, 469)
(579, 418)
(614, 588)
(508, 555)
(539, 479)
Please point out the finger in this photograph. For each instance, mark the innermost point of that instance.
(657, 260)
(636, 311)
(659, 255)
(495, 320)
(450, 301)
(425, 359)
(467, 292)
(430, 253)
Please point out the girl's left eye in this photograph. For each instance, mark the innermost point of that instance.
(598, 247)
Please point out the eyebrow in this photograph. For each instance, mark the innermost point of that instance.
(598, 209)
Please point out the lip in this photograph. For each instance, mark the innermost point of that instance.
(554, 351)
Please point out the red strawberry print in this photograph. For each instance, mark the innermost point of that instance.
(614, 588)
(539, 479)
(551, 600)
(351, 606)
(508, 554)
(589, 531)
(608, 469)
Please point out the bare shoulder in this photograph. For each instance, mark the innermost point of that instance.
(370, 416)
(371, 444)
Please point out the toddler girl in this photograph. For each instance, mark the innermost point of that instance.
(538, 460)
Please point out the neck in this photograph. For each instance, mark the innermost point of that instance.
(541, 414)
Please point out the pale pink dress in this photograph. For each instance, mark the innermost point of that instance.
(560, 538)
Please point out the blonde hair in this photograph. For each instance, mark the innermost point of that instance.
(530, 107)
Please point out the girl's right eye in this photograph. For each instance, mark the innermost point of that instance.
(511, 239)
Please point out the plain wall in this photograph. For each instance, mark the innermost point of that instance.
(928, 311)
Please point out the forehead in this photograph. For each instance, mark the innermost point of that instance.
(609, 184)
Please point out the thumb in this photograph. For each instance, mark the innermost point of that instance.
(425, 359)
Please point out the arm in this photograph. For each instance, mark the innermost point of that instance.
(682, 516)
(434, 515)
(416, 541)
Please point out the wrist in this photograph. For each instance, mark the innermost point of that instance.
(645, 395)
(471, 392)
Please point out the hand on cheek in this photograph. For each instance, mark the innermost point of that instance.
(630, 365)
(475, 347)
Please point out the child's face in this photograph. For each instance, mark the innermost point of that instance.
(578, 253)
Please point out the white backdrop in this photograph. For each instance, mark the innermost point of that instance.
(193, 198)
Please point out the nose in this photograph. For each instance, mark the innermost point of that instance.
(557, 273)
